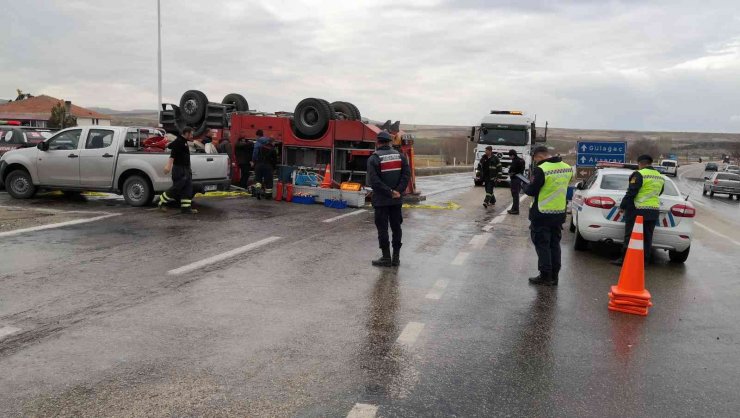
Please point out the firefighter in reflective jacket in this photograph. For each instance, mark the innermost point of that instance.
(642, 198)
(489, 168)
(549, 187)
(182, 177)
(388, 173)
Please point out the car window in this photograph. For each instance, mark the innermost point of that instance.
(35, 136)
(669, 189)
(590, 181)
(615, 181)
(728, 177)
(66, 140)
(668, 164)
(99, 138)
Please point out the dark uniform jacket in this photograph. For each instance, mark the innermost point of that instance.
(489, 167)
(244, 150)
(628, 202)
(266, 154)
(536, 217)
(517, 167)
(179, 152)
(387, 170)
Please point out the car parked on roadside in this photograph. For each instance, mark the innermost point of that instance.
(597, 218)
(723, 183)
(14, 137)
(711, 167)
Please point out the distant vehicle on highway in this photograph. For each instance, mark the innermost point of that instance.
(107, 159)
(670, 167)
(597, 217)
(722, 183)
(14, 137)
(711, 167)
(733, 169)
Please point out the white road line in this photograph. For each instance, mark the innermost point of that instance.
(701, 225)
(56, 225)
(410, 333)
(498, 219)
(437, 290)
(357, 212)
(45, 210)
(524, 196)
(696, 202)
(460, 259)
(479, 241)
(488, 228)
(363, 410)
(220, 257)
(8, 330)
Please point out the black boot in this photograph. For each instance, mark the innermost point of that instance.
(544, 278)
(385, 259)
(396, 261)
(555, 278)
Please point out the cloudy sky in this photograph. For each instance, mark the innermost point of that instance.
(632, 64)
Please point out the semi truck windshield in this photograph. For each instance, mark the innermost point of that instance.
(495, 136)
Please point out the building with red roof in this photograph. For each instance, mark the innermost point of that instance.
(36, 111)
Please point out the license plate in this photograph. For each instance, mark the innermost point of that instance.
(210, 188)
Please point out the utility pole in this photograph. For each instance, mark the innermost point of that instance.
(159, 60)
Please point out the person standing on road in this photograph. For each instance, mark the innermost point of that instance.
(642, 198)
(549, 187)
(388, 173)
(243, 151)
(517, 167)
(182, 177)
(224, 145)
(489, 168)
(264, 158)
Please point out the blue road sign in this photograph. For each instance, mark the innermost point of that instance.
(591, 152)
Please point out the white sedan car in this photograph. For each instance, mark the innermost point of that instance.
(597, 217)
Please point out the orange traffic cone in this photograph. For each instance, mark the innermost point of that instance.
(630, 295)
(326, 183)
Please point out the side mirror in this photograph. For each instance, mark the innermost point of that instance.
(43, 146)
(579, 185)
(706, 178)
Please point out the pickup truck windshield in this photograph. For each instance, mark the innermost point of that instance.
(499, 136)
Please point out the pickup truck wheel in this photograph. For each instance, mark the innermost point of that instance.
(236, 100)
(312, 117)
(20, 185)
(193, 106)
(137, 191)
(678, 256)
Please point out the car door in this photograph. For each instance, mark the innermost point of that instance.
(60, 164)
(97, 159)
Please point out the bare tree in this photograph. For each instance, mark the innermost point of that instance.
(643, 146)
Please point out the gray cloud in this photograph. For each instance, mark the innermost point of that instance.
(590, 64)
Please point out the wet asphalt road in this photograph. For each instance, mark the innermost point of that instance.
(92, 324)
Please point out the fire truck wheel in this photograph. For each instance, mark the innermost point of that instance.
(312, 117)
(332, 114)
(236, 100)
(355, 111)
(347, 109)
(193, 106)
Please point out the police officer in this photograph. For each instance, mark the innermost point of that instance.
(517, 167)
(265, 160)
(388, 173)
(642, 198)
(182, 176)
(549, 187)
(489, 168)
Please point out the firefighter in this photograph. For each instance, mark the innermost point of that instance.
(489, 168)
(549, 187)
(388, 173)
(244, 150)
(264, 159)
(517, 167)
(182, 176)
(642, 198)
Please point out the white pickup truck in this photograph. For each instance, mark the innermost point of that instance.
(106, 159)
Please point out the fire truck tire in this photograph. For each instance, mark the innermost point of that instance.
(193, 106)
(355, 111)
(236, 100)
(348, 109)
(332, 114)
(312, 117)
(198, 131)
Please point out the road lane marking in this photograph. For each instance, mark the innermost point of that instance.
(498, 219)
(336, 218)
(221, 257)
(8, 330)
(363, 410)
(410, 333)
(479, 241)
(696, 202)
(460, 259)
(56, 225)
(437, 290)
(55, 211)
(701, 225)
(488, 228)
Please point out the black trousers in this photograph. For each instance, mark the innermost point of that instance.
(263, 175)
(182, 187)
(546, 240)
(244, 170)
(490, 197)
(648, 227)
(516, 188)
(392, 215)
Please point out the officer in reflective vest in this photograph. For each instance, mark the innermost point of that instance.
(388, 173)
(549, 187)
(642, 198)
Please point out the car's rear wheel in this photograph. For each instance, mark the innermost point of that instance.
(572, 227)
(20, 185)
(711, 193)
(580, 243)
(137, 191)
(678, 256)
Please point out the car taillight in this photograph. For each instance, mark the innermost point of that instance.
(602, 202)
(716, 182)
(683, 211)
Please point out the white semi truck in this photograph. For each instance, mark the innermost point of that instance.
(505, 130)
